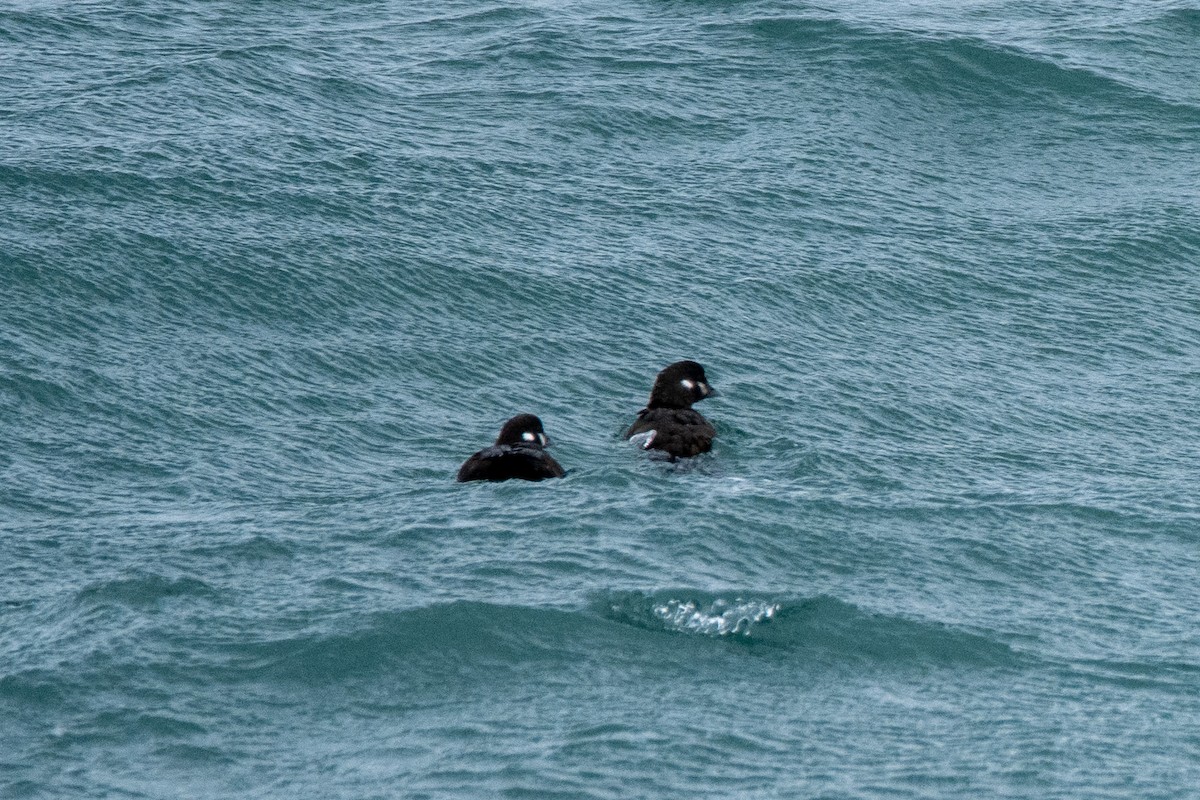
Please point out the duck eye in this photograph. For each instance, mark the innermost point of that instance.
(688, 383)
(529, 437)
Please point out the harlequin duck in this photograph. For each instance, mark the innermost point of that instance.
(517, 453)
(668, 423)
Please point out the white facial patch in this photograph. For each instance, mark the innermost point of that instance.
(529, 437)
(544, 439)
(688, 383)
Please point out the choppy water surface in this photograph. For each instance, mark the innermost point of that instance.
(270, 272)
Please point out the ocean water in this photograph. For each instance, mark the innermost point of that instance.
(270, 271)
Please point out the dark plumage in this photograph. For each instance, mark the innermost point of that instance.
(517, 453)
(668, 421)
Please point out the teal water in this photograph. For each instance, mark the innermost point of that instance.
(271, 271)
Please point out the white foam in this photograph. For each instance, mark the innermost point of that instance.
(719, 618)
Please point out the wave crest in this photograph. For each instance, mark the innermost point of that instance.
(718, 618)
(691, 612)
(821, 628)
